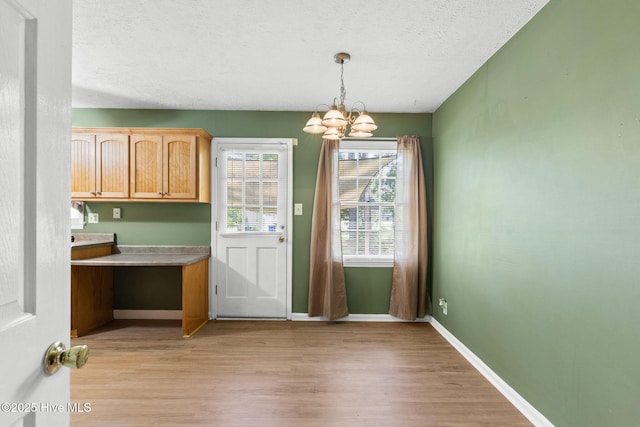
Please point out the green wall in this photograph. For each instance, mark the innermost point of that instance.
(537, 210)
(189, 224)
(154, 223)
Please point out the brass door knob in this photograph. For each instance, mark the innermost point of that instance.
(57, 355)
(281, 239)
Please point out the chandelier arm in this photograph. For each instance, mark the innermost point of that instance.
(321, 105)
(364, 107)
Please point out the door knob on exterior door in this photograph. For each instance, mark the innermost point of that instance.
(57, 355)
(281, 239)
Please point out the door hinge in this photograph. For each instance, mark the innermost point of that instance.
(216, 162)
(216, 225)
(216, 290)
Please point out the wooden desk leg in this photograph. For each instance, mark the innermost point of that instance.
(195, 296)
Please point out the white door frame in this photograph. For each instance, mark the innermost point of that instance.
(289, 142)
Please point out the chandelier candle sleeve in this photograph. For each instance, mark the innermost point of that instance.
(336, 120)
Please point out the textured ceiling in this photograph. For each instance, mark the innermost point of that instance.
(407, 56)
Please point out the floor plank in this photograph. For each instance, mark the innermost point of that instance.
(269, 373)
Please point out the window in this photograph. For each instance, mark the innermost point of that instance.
(366, 182)
(251, 191)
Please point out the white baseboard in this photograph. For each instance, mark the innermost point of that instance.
(148, 314)
(532, 414)
(356, 318)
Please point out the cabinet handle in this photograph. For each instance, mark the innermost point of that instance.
(160, 193)
(99, 193)
(93, 192)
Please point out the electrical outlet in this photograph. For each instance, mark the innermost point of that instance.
(94, 218)
(117, 213)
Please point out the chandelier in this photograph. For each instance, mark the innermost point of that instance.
(335, 121)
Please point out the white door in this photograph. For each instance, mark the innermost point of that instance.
(252, 229)
(35, 130)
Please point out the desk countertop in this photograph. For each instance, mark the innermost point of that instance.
(135, 256)
(92, 240)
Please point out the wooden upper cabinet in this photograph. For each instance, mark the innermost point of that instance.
(99, 166)
(112, 166)
(83, 165)
(146, 166)
(162, 164)
(179, 168)
(164, 167)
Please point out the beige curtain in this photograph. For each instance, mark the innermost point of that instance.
(409, 298)
(327, 291)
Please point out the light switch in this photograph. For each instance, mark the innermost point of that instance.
(94, 218)
(297, 209)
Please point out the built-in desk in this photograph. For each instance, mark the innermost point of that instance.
(94, 307)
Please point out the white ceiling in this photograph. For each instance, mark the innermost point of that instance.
(406, 56)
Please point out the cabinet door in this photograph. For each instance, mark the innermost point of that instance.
(146, 166)
(179, 167)
(83, 165)
(112, 166)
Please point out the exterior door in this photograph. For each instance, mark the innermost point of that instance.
(35, 127)
(252, 229)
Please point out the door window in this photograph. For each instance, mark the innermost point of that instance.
(251, 201)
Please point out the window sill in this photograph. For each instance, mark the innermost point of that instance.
(367, 262)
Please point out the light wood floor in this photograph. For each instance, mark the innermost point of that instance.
(250, 373)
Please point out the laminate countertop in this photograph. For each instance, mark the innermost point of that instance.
(92, 240)
(135, 256)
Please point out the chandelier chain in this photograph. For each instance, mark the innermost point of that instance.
(342, 90)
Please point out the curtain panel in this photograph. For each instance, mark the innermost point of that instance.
(327, 290)
(409, 298)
